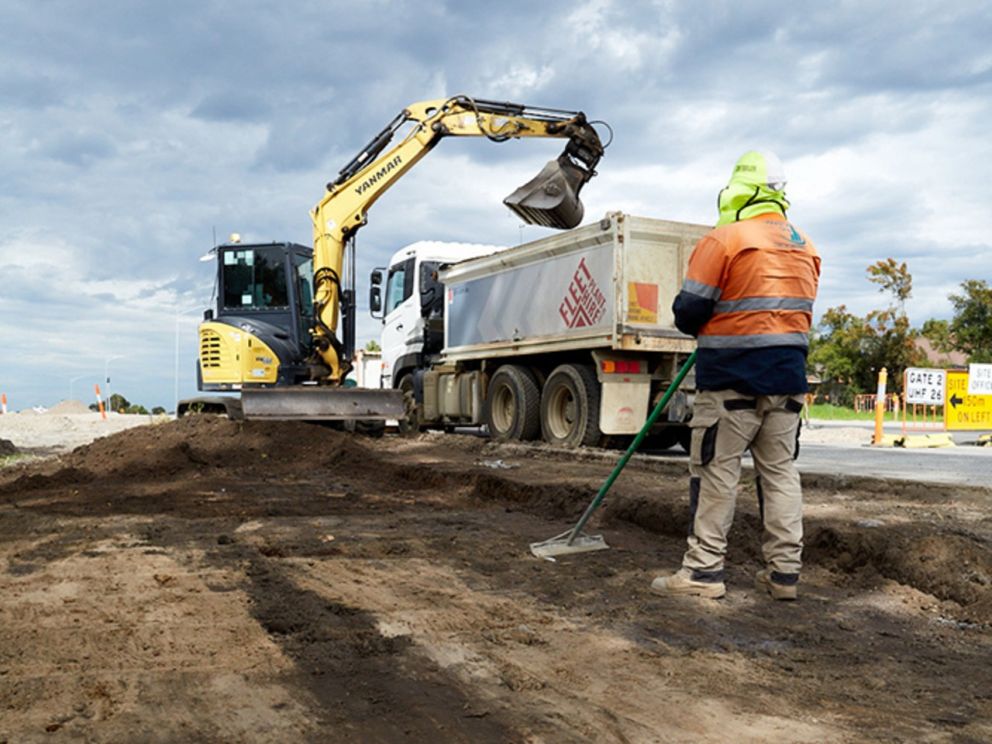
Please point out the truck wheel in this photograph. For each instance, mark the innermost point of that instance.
(513, 404)
(411, 424)
(570, 407)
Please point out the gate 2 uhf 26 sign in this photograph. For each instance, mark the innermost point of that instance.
(925, 386)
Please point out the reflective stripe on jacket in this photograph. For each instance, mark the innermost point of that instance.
(750, 284)
(748, 298)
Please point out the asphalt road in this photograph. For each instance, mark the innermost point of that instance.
(962, 465)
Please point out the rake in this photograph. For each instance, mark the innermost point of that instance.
(574, 540)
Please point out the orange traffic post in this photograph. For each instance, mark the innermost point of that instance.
(883, 377)
(3, 404)
(99, 403)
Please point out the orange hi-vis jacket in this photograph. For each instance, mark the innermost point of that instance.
(760, 277)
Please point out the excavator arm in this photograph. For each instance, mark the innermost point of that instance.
(550, 199)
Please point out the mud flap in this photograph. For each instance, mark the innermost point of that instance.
(312, 403)
(551, 198)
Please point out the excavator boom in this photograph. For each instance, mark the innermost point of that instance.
(551, 199)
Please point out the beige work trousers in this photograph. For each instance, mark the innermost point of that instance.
(724, 424)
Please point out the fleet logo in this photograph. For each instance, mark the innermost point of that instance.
(378, 175)
(584, 304)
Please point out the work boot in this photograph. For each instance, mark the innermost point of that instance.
(763, 581)
(682, 583)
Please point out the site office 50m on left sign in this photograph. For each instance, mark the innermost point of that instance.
(963, 410)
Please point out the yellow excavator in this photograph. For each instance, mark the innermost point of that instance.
(273, 336)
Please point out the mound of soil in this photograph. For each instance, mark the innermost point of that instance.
(68, 407)
(7, 448)
(199, 443)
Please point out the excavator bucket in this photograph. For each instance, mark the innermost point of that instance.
(551, 198)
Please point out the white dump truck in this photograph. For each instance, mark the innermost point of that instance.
(570, 337)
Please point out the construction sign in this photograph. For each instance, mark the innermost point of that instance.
(980, 379)
(925, 386)
(964, 411)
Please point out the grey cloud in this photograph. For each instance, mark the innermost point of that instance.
(28, 89)
(232, 106)
(79, 148)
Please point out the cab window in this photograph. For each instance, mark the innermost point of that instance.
(400, 285)
(254, 278)
(304, 279)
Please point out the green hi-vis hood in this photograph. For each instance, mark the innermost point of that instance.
(757, 186)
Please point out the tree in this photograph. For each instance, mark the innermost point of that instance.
(971, 327)
(938, 332)
(119, 403)
(851, 350)
(894, 278)
(373, 345)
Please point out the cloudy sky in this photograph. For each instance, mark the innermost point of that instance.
(132, 132)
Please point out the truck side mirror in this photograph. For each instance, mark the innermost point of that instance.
(375, 293)
(375, 301)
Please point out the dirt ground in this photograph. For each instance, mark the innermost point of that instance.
(204, 580)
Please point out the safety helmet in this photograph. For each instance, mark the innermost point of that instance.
(757, 186)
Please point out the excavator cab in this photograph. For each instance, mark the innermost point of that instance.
(259, 332)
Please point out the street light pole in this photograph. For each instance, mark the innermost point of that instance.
(106, 377)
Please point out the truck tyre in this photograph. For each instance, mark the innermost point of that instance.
(570, 407)
(513, 404)
(411, 424)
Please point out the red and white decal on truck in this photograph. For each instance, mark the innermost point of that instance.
(584, 303)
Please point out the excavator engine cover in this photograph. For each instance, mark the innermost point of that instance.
(551, 198)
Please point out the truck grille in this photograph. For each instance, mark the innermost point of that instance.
(212, 350)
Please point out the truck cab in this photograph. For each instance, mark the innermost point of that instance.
(409, 299)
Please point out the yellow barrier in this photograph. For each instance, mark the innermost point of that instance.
(921, 441)
(915, 441)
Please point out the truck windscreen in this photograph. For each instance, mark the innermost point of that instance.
(254, 278)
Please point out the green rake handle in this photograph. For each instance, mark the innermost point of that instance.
(633, 447)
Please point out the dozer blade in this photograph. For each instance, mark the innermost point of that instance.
(323, 404)
(551, 198)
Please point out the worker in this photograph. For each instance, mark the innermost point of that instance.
(748, 299)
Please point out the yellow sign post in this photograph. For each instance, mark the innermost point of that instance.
(963, 411)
